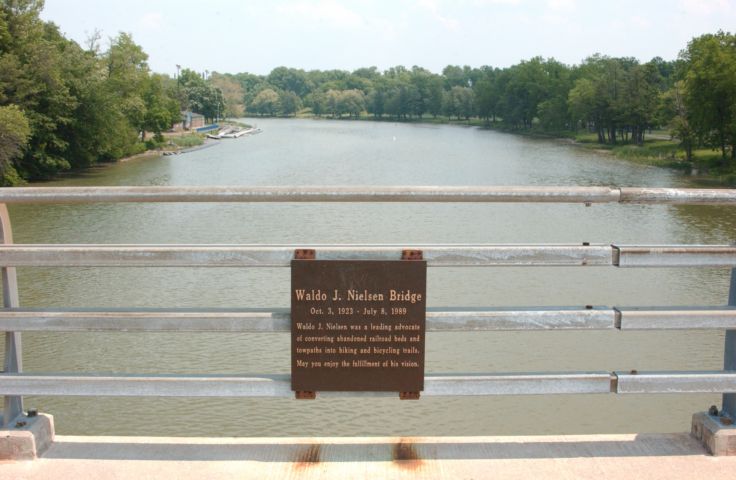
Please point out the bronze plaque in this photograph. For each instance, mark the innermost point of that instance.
(358, 325)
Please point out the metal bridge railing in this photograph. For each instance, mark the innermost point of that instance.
(14, 320)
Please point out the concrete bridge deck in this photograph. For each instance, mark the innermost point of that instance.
(643, 456)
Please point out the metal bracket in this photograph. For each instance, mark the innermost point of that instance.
(412, 255)
(409, 395)
(305, 395)
(305, 254)
(614, 383)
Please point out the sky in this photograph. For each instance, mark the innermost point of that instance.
(231, 36)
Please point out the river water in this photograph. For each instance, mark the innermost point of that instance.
(309, 152)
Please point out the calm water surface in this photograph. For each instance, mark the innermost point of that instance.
(303, 152)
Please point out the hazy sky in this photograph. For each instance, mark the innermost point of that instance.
(256, 36)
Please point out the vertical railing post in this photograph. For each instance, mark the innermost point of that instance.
(13, 405)
(729, 353)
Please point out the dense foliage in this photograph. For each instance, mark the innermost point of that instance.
(617, 99)
(63, 106)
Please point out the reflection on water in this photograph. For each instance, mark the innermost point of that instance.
(295, 152)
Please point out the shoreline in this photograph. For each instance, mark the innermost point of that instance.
(173, 149)
(169, 150)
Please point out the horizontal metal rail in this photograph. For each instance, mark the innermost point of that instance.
(501, 194)
(677, 382)
(678, 196)
(438, 319)
(434, 385)
(459, 255)
(278, 320)
(281, 255)
(677, 318)
(674, 255)
(280, 385)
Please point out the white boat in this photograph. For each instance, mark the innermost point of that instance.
(238, 133)
(233, 133)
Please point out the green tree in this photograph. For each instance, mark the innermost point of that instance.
(161, 111)
(420, 80)
(266, 103)
(641, 99)
(290, 80)
(454, 76)
(552, 110)
(98, 131)
(290, 103)
(351, 102)
(459, 101)
(251, 85)
(586, 107)
(201, 96)
(14, 134)
(710, 90)
(376, 98)
(436, 93)
(597, 97)
(486, 93)
(232, 92)
(317, 102)
(128, 79)
(673, 108)
(32, 77)
(526, 86)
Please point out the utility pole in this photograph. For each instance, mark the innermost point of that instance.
(178, 78)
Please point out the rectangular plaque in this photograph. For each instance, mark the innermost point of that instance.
(358, 325)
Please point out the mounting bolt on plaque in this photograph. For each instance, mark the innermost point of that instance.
(305, 254)
(408, 395)
(412, 255)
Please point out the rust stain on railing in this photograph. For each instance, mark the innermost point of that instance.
(405, 455)
(308, 456)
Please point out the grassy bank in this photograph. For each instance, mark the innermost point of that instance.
(181, 141)
(171, 142)
(706, 164)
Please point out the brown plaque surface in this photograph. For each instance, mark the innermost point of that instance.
(358, 325)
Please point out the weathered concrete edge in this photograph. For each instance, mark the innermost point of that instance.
(303, 451)
(717, 438)
(28, 438)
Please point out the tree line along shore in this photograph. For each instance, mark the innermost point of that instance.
(68, 106)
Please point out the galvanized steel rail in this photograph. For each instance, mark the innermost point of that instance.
(280, 385)
(14, 384)
(449, 385)
(281, 255)
(458, 255)
(501, 194)
(438, 319)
